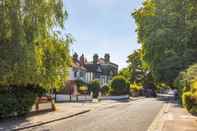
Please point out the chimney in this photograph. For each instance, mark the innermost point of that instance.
(75, 57)
(107, 58)
(82, 60)
(95, 58)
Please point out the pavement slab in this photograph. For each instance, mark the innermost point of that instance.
(178, 119)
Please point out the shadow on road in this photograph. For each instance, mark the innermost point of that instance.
(13, 122)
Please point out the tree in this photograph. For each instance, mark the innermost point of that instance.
(135, 66)
(126, 73)
(31, 52)
(166, 31)
(139, 73)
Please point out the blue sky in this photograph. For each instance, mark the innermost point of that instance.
(103, 26)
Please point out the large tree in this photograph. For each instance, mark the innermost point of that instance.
(31, 52)
(126, 73)
(135, 66)
(167, 30)
(139, 73)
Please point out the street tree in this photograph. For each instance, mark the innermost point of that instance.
(31, 51)
(137, 71)
(34, 54)
(167, 32)
(126, 73)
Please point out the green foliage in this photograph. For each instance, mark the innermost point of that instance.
(17, 101)
(187, 101)
(167, 30)
(186, 83)
(136, 87)
(186, 79)
(82, 86)
(31, 52)
(80, 83)
(137, 72)
(105, 90)
(94, 87)
(126, 73)
(119, 86)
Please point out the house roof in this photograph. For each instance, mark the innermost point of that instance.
(76, 65)
(102, 62)
(105, 69)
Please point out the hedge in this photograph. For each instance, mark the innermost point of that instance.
(186, 83)
(17, 101)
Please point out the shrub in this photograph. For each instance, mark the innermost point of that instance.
(136, 87)
(105, 90)
(119, 86)
(194, 100)
(193, 109)
(194, 87)
(17, 101)
(83, 90)
(187, 101)
(187, 82)
(94, 87)
(81, 87)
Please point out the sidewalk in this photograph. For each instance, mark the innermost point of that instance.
(64, 110)
(42, 117)
(172, 117)
(178, 119)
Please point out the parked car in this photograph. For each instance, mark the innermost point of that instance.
(149, 90)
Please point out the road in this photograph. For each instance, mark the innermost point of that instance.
(125, 116)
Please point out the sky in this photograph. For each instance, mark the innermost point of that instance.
(103, 26)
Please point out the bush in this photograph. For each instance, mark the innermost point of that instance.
(186, 84)
(94, 87)
(105, 90)
(17, 101)
(194, 109)
(136, 87)
(119, 86)
(187, 101)
(81, 87)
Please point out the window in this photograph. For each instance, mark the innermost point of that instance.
(75, 74)
(81, 74)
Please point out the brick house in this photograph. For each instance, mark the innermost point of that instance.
(77, 71)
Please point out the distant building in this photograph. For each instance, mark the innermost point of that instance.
(101, 69)
(77, 71)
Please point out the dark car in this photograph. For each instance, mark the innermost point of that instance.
(149, 90)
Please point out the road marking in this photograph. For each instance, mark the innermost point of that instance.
(157, 123)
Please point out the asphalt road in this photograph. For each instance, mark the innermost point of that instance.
(127, 116)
